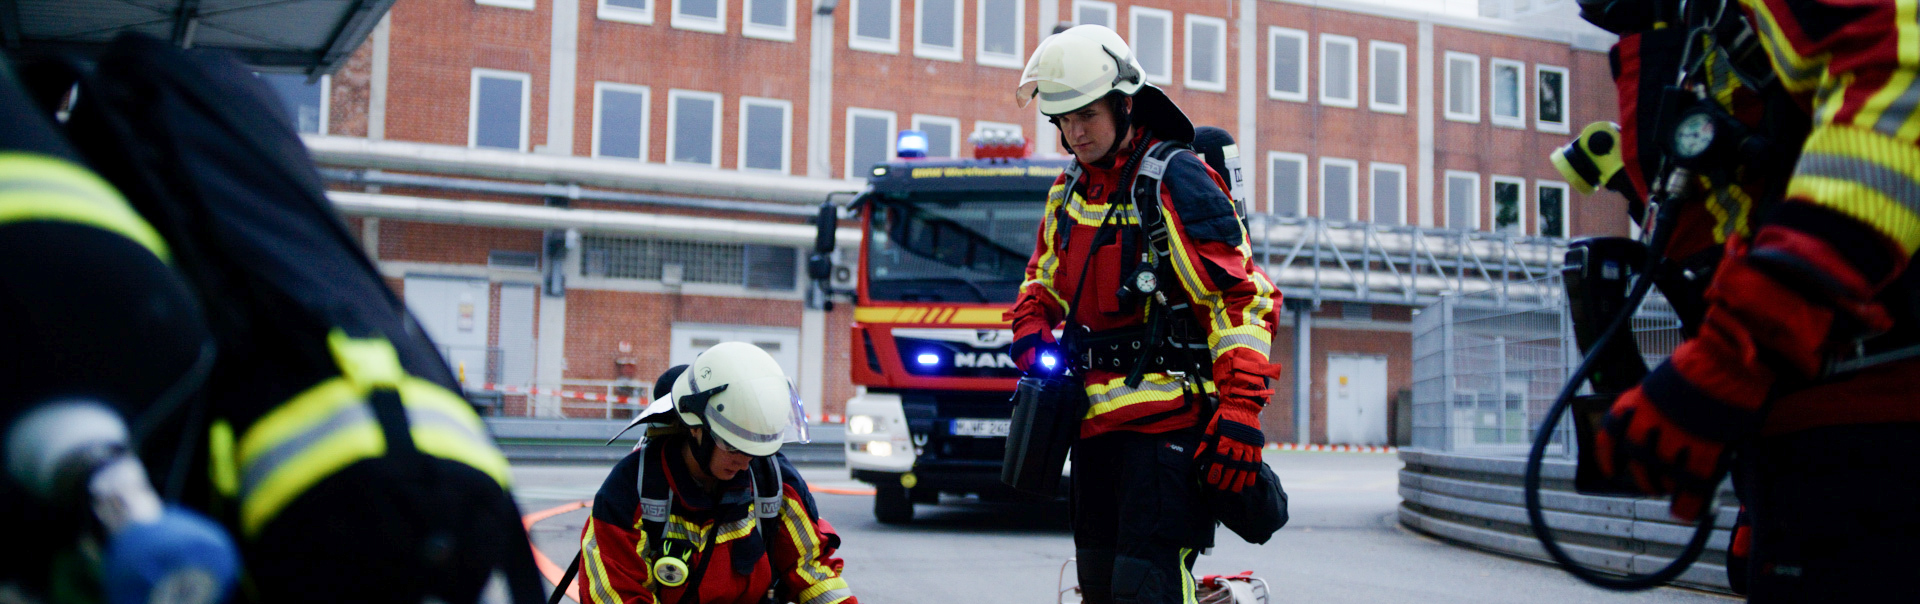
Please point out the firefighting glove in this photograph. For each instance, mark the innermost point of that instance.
(1037, 354)
(1229, 454)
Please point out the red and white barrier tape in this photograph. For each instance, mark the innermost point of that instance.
(824, 418)
(1333, 448)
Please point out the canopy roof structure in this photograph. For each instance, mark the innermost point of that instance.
(304, 36)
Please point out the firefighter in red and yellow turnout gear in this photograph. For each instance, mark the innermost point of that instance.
(706, 510)
(1802, 377)
(1152, 429)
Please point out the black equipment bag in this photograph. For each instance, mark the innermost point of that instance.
(203, 150)
(1256, 512)
(1046, 421)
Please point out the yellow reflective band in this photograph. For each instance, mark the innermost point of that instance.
(222, 467)
(1114, 394)
(805, 545)
(443, 425)
(1190, 277)
(826, 592)
(1083, 213)
(366, 362)
(602, 592)
(267, 486)
(1251, 337)
(1731, 209)
(679, 528)
(1186, 577)
(735, 530)
(1866, 175)
(36, 187)
(1890, 109)
(1798, 74)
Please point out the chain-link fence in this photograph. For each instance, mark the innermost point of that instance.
(1485, 374)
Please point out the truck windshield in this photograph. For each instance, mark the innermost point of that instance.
(968, 248)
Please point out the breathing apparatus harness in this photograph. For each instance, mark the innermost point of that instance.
(1696, 137)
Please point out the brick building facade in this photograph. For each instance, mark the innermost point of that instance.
(1346, 111)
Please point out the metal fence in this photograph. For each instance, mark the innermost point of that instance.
(1485, 373)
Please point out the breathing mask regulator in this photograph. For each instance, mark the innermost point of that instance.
(1685, 135)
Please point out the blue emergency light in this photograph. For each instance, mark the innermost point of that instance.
(1047, 360)
(927, 358)
(911, 143)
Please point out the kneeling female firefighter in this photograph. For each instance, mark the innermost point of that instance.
(706, 510)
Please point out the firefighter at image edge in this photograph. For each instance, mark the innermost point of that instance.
(1145, 451)
(707, 504)
(1800, 380)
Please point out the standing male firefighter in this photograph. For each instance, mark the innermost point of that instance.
(1175, 376)
(1801, 172)
(706, 510)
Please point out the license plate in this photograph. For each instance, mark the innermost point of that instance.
(981, 427)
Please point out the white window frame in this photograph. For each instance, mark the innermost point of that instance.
(893, 138)
(855, 41)
(673, 124)
(646, 111)
(1373, 193)
(1374, 48)
(1566, 204)
(1353, 71)
(519, 4)
(953, 122)
(1519, 104)
(1299, 159)
(1446, 211)
(1566, 101)
(920, 49)
(627, 14)
(1219, 54)
(1274, 38)
(1446, 88)
(692, 23)
(1353, 188)
(1017, 60)
(473, 103)
(1133, 33)
(786, 135)
(766, 32)
(1113, 13)
(1493, 203)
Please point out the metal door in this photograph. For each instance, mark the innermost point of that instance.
(1356, 399)
(689, 340)
(516, 334)
(455, 313)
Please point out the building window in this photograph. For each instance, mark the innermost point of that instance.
(520, 4)
(693, 128)
(1551, 86)
(1206, 53)
(869, 140)
(876, 26)
(1151, 36)
(744, 265)
(768, 20)
(1387, 90)
(1551, 198)
(937, 33)
(700, 15)
(1093, 12)
(305, 102)
(1001, 25)
(943, 134)
(1509, 93)
(1389, 189)
(1463, 200)
(1509, 205)
(497, 117)
(1337, 189)
(1287, 55)
(1339, 71)
(766, 134)
(627, 11)
(1287, 183)
(771, 267)
(620, 120)
(1463, 87)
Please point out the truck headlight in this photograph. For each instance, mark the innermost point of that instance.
(880, 448)
(860, 424)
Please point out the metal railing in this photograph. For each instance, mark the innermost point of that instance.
(1376, 263)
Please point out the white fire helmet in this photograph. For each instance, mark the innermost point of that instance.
(740, 395)
(1076, 67)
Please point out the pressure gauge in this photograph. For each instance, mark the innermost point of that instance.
(1693, 137)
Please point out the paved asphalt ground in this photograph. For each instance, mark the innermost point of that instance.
(1342, 545)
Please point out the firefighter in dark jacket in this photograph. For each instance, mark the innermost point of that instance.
(1174, 400)
(1801, 377)
(706, 510)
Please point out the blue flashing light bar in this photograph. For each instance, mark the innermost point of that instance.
(928, 359)
(911, 143)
